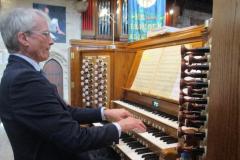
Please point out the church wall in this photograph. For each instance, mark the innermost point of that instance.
(59, 51)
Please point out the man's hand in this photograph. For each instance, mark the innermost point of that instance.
(132, 124)
(116, 114)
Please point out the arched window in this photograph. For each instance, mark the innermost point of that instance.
(54, 73)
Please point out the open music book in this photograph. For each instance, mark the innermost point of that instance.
(159, 72)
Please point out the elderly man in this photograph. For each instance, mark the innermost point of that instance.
(39, 124)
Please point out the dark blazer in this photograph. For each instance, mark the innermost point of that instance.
(39, 124)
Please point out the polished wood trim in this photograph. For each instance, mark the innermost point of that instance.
(75, 76)
(165, 105)
(96, 44)
(151, 95)
(182, 37)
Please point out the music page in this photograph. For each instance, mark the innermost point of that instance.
(159, 72)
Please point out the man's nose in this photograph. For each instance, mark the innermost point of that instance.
(51, 42)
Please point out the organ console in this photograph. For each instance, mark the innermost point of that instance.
(154, 101)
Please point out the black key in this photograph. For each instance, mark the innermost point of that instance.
(165, 137)
(143, 150)
(149, 155)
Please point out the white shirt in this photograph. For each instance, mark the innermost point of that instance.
(29, 60)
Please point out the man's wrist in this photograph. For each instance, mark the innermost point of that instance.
(103, 109)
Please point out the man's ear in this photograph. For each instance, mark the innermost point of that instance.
(22, 39)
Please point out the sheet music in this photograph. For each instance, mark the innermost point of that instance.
(146, 70)
(167, 72)
(159, 72)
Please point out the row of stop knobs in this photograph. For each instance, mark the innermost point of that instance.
(94, 82)
(193, 102)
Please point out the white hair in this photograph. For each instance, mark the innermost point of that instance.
(18, 20)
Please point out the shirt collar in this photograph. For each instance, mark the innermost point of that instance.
(29, 60)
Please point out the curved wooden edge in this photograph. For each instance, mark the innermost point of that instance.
(134, 69)
(181, 37)
(96, 44)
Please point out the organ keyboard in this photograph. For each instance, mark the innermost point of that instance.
(161, 117)
(161, 121)
(145, 146)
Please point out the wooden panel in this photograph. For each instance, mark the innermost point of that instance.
(165, 105)
(122, 61)
(224, 108)
(134, 69)
(75, 76)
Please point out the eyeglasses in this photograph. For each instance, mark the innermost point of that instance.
(45, 33)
